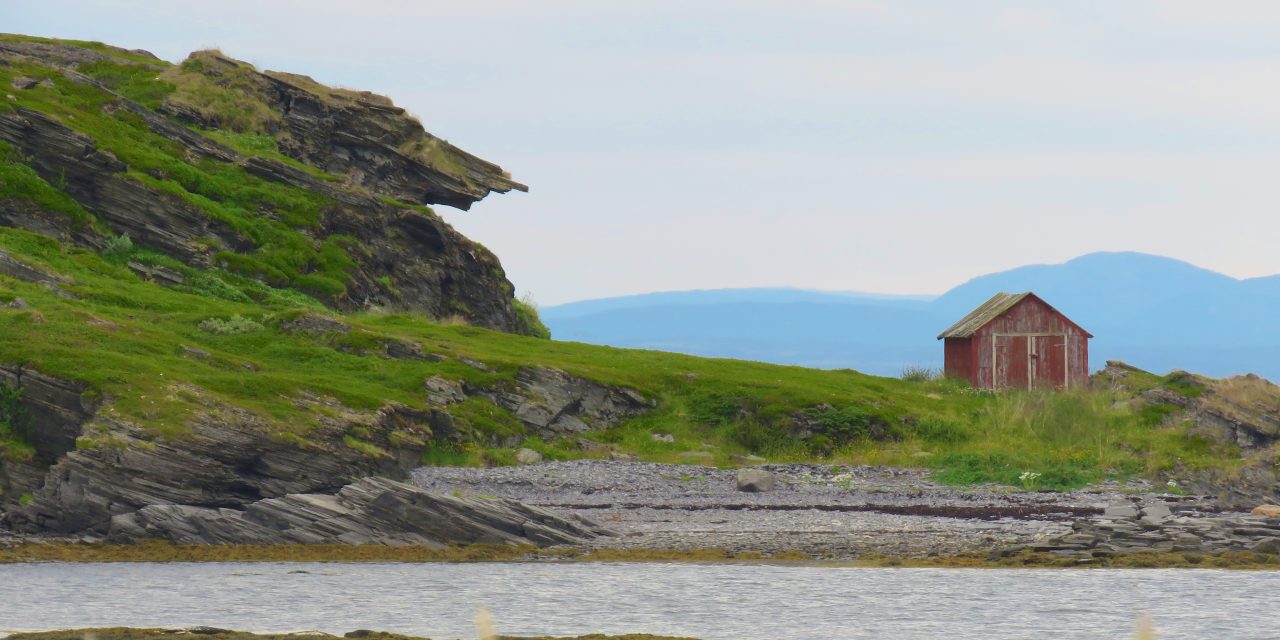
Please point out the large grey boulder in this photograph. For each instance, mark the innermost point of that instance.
(369, 511)
(1121, 510)
(552, 403)
(755, 480)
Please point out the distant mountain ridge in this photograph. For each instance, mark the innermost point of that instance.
(1156, 312)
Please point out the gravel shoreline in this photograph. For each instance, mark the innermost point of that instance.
(818, 510)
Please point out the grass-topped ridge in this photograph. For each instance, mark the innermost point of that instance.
(206, 144)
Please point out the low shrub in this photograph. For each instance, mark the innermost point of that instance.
(231, 326)
(118, 247)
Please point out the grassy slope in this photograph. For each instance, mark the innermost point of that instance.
(131, 341)
(126, 337)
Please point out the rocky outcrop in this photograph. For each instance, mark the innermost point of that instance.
(96, 179)
(230, 458)
(53, 410)
(92, 472)
(405, 257)
(553, 404)
(1127, 528)
(51, 414)
(369, 511)
(549, 402)
(355, 133)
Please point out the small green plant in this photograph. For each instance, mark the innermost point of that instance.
(26, 499)
(118, 246)
(843, 424)
(231, 326)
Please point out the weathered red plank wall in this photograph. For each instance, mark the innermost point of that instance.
(1032, 345)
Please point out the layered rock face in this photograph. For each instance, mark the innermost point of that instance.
(233, 478)
(380, 167)
(370, 511)
(230, 458)
(356, 133)
(1129, 528)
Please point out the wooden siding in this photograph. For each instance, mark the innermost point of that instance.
(1031, 345)
(957, 358)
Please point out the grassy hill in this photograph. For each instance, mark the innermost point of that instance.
(155, 353)
(159, 336)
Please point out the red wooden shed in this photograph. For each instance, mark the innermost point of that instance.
(1017, 341)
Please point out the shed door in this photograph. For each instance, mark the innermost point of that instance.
(1011, 366)
(1049, 362)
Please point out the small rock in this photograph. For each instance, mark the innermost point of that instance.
(755, 480)
(1266, 545)
(591, 446)
(662, 437)
(528, 456)
(620, 455)
(408, 350)
(1122, 510)
(18, 303)
(194, 352)
(1264, 510)
(473, 363)
(315, 323)
(700, 455)
(1155, 513)
(443, 391)
(747, 460)
(23, 82)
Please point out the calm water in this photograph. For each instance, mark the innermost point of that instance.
(706, 601)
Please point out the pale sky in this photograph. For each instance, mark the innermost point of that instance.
(897, 147)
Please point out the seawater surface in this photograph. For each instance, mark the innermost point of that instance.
(716, 601)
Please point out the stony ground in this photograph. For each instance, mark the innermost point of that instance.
(823, 511)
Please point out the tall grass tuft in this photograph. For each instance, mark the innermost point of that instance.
(918, 373)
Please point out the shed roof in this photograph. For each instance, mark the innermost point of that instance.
(992, 309)
(978, 318)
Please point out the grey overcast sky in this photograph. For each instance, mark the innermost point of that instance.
(887, 146)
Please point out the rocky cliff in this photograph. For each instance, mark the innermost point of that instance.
(270, 176)
(170, 238)
(233, 476)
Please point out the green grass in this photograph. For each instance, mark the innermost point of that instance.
(137, 82)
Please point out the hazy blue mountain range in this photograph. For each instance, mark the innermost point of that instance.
(1154, 312)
